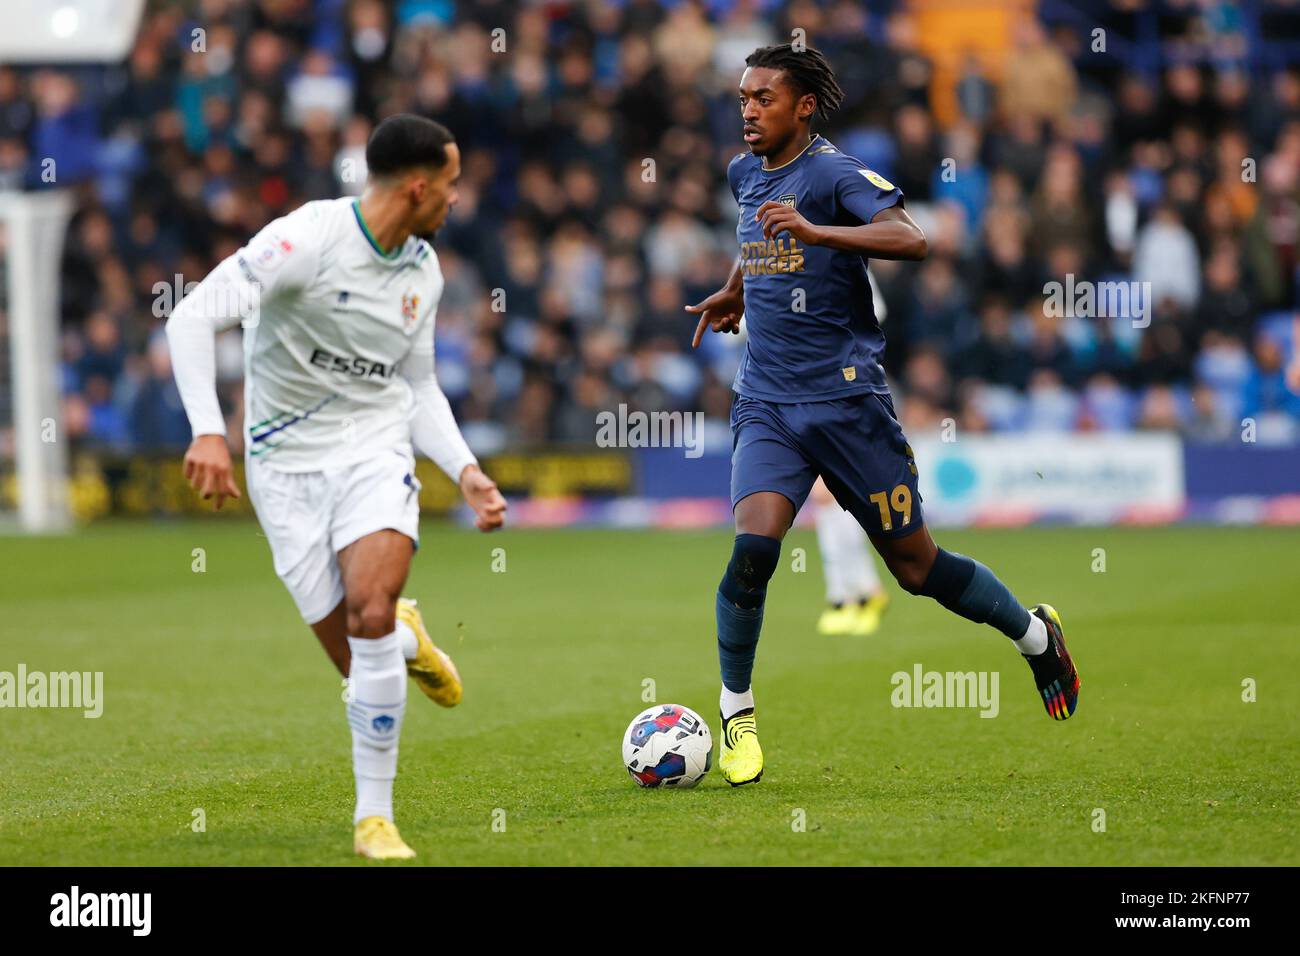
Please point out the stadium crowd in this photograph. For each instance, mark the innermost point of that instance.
(594, 205)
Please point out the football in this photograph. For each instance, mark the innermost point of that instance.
(668, 746)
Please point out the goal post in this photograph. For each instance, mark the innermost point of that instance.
(41, 33)
(70, 31)
(34, 228)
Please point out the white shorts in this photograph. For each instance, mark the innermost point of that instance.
(310, 516)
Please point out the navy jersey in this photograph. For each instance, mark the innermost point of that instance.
(812, 327)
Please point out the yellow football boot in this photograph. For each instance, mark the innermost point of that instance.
(432, 669)
(867, 614)
(741, 758)
(378, 839)
(838, 621)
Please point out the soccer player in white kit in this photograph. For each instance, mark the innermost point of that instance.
(855, 598)
(337, 300)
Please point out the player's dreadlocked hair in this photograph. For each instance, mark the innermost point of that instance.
(808, 72)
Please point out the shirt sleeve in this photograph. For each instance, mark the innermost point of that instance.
(434, 431)
(280, 260)
(433, 426)
(863, 193)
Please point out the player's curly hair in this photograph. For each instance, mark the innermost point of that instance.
(808, 71)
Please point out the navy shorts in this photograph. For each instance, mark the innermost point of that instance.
(856, 444)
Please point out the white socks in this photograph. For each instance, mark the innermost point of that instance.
(376, 703)
(1035, 640)
(731, 703)
(851, 574)
(410, 644)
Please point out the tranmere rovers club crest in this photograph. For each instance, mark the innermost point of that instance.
(410, 310)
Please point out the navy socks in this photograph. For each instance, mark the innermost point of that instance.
(966, 587)
(741, 594)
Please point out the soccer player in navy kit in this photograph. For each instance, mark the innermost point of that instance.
(811, 396)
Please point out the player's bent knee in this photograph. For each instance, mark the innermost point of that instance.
(910, 575)
(374, 617)
(753, 562)
(768, 514)
(754, 558)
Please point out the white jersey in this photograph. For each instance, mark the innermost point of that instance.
(332, 329)
(336, 318)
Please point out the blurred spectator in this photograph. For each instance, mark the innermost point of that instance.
(1273, 234)
(994, 357)
(1166, 257)
(1159, 410)
(1051, 406)
(157, 419)
(1039, 82)
(1267, 389)
(1209, 422)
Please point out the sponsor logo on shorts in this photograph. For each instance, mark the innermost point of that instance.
(413, 483)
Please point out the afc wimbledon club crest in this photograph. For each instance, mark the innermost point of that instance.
(787, 200)
(410, 310)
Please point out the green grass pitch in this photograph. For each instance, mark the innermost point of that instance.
(218, 698)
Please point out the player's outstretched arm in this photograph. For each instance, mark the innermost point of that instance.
(280, 260)
(191, 338)
(891, 234)
(722, 310)
(435, 433)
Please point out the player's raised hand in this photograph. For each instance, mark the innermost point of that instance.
(207, 468)
(778, 218)
(484, 497)
(720, 311)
